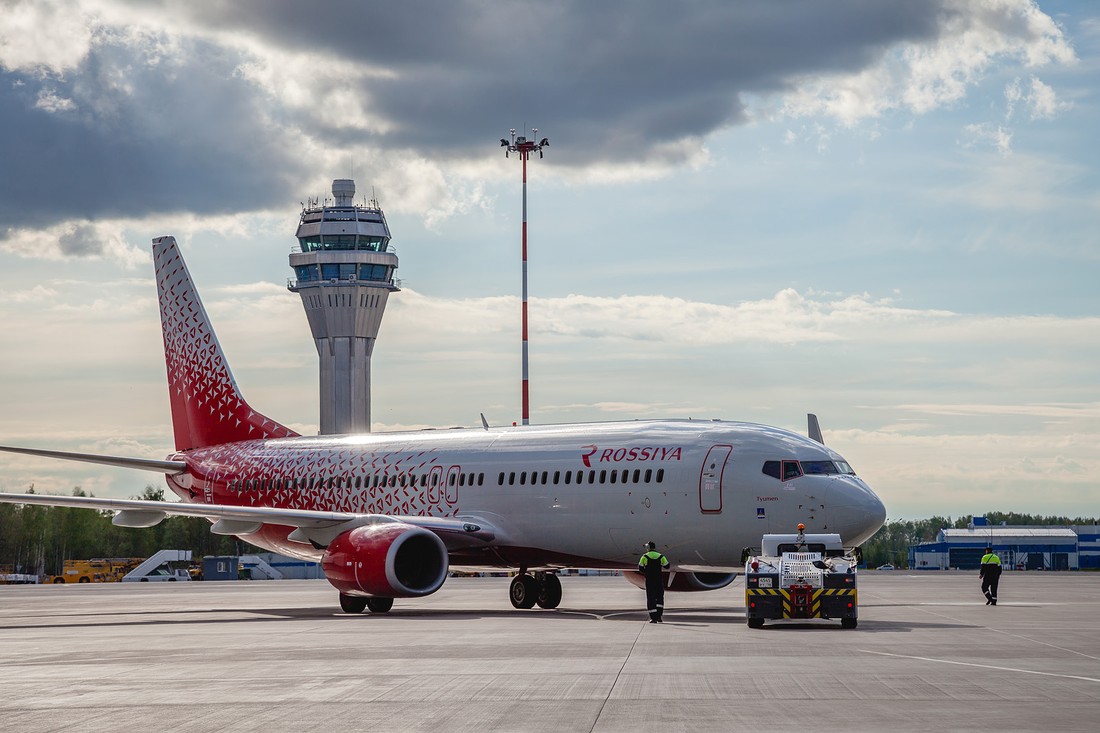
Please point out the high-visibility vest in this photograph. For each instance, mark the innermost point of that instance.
(991, 559)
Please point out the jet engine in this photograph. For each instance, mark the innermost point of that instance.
(685, 581)
(392, 560)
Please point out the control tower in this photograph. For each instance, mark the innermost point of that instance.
(343, 269)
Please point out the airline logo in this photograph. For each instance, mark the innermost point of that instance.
(594, 454)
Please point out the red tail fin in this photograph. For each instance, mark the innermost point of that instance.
(207, 407)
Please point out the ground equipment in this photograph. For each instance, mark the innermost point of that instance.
(801, 576)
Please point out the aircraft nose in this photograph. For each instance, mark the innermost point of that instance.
(857, 512)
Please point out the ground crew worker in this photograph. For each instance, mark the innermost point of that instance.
(990, 573)
(650, 565)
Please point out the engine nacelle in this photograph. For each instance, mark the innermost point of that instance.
(392, 560)
(685, 581)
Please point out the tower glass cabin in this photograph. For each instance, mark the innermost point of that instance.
(344, 271)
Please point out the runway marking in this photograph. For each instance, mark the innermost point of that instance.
(984, 666)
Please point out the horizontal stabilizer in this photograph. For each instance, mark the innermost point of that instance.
(144, 464)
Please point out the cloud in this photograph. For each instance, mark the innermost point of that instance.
(131, 109)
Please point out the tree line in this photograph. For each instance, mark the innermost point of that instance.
(39, 539)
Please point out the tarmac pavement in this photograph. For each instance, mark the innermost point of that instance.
(928, 655)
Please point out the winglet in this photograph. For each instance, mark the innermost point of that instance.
(814, 428)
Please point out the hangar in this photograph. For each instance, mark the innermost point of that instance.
(1020, 548)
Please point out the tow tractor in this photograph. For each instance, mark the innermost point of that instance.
(801, 576)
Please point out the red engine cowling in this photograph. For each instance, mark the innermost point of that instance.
(393, 560)
(684, 581)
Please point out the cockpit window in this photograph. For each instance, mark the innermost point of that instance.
(786, 470)
(819, 467)
(791, 469)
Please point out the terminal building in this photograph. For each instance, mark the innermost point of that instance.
(1020, 548)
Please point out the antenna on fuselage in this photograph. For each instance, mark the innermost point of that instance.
(814, 428)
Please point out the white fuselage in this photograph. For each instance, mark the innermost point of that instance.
(585, 495)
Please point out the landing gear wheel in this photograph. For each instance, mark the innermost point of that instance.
(756, 623)
(523, 592)
(376, 604)
(549, 593)
(848, 623)
(352, 604)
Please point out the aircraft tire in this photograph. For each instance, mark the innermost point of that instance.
(378, 604)
(352, 604)
(523, 592)
(549, 594)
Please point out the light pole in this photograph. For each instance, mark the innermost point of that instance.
(524, 147)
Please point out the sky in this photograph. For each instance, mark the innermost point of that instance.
(887, 214)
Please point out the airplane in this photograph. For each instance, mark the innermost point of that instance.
(388, 515)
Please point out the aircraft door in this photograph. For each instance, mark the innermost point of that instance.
(435, 478)
(710, 479)
(452, 484)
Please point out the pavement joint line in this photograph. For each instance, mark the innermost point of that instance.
(1036, 641)
(922, 607)
(984, 666)
(616, 680)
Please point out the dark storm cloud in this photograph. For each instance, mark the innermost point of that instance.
(174, 137)
(608, 78)
(186, 131)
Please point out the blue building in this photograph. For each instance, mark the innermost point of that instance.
(1088, 545)
(1020, 548)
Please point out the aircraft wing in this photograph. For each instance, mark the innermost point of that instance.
(312, 527)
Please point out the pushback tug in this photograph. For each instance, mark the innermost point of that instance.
(801, 576)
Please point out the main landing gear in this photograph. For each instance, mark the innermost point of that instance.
(358, 604)
(541, 588)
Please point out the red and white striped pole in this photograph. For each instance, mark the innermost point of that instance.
(524, 147)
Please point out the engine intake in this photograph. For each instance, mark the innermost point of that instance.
(392, 560)
(685, 581)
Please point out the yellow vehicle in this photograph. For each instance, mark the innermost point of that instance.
(96, 570)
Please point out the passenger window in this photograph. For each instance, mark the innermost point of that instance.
(480, 479)
(568, 475)
(557, 476)
(637, 473)
(603, 476)
(648, 475)
(512, 478)
(660, 475)
(500, 479)
(614, 472)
